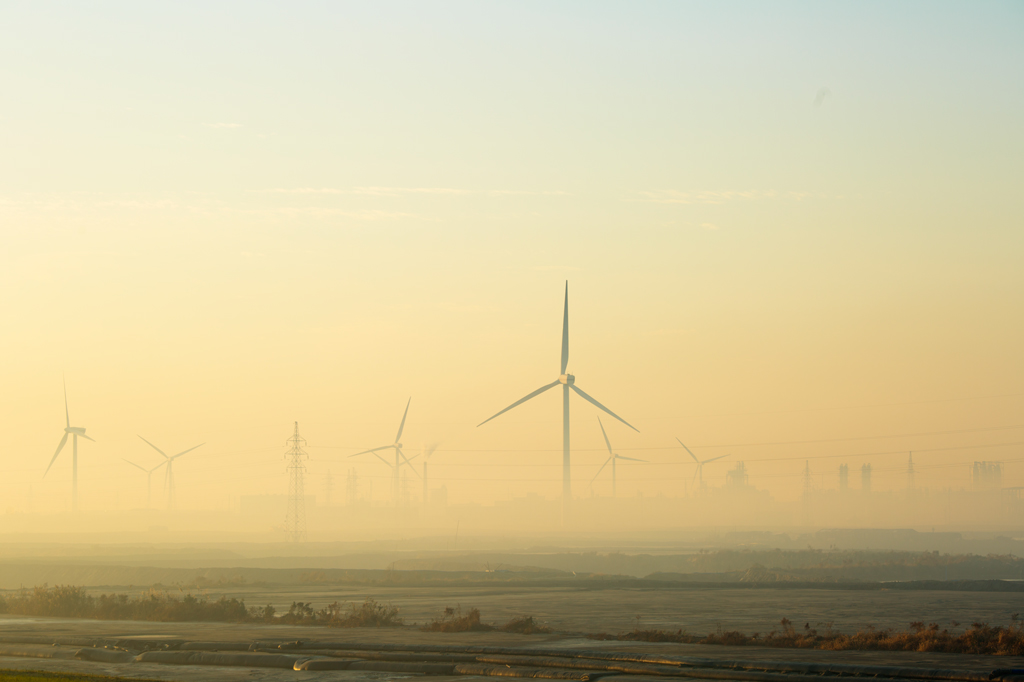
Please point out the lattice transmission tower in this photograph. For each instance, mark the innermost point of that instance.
(295, 521)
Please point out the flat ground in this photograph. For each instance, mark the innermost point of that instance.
(696, 610)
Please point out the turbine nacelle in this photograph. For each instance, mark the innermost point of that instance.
(80, 430)
(568, 379)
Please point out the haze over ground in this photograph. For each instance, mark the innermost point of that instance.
(791, 233)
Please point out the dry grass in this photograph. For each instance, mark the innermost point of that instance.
(979, 638)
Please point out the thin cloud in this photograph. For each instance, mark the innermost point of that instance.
(368, 191)
(401, 191)
(223, 125)
(332, 212)
(672, 196)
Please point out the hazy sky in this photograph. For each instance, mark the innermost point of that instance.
(780, 222)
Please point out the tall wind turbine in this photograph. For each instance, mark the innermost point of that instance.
(612, 457)
(568, 382)
(169, 473)
(74, 432)
(149, 479)
(699, 474)
(399, 455)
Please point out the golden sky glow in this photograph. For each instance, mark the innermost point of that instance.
(779, 223)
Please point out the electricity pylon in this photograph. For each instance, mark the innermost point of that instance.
(295, 522)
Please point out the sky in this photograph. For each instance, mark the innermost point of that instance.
(780, 223)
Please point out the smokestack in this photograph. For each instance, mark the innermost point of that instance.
(865, 478)
(844, 478)
(910, 472)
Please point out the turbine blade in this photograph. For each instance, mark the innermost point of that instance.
(590, 400)
(67, 415)
(713, 459)
(154, 447)
(430, 450)
(189, 450)
(688, 450)
(60, 446)
(602, 468)
(401, 427)
(378, 457)
(606, 441)
(136, 465)
(87, 437)
(409, 462)
(631, 459)
(157, 466)
(364, 452)
(522, 400)
(565, 330)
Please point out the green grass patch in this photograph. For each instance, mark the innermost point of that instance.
(43, 676)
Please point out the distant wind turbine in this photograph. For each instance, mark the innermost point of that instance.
(149, 479)
(699, 474)
(428, 450)
(612, 456)
(399, 456)
(568, 382)
(74, 432)
(169, 473)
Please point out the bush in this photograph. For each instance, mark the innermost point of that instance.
(979, 638)
(67, 601)
(452, 620)
(524, 625)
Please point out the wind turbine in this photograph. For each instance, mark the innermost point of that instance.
(399, 455)
(74, 432)
(700, 465)
(612, 456)
(568, 382)
(169, 474)
(149, 479)
(428, 450)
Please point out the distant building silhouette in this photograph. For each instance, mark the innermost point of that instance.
(987, 475)
(865, 478)
(844, 478)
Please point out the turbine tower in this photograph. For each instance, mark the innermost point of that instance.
(568, 382)
(169, 473)
(399, 456)
(699, 474)
(149, 479)
(74, 432)
(428, 450)
(612, 457)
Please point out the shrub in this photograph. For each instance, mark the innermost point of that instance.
(524, 625)
(452, 620)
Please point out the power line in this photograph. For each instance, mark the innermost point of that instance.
(919, 434)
